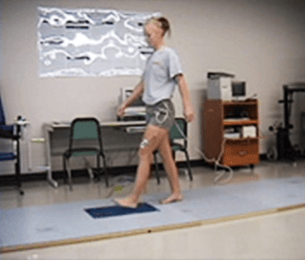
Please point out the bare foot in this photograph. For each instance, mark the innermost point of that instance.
(172, 198)
(126, 202)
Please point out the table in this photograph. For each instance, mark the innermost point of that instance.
(116, 135)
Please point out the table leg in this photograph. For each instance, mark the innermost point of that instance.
(49, 159)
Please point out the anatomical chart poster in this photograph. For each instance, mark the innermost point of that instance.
(91, 42)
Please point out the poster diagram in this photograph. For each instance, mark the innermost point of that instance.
(91, 42)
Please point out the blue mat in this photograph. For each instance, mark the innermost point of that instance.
(112, 211)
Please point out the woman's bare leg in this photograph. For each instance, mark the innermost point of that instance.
(171, 169)
(154, 136)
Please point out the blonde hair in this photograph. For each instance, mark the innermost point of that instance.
(162, 23)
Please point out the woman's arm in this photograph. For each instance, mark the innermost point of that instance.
(138, 91)
(186, 99)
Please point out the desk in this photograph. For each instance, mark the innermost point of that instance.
(117, 135)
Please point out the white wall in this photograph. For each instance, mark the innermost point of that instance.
(260, 41)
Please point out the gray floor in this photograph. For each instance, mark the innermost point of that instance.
(58, 214)
(41, 193)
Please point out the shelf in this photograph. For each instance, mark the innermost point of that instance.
(241, 140)
(240, 103)
(240, 122)
(218, 117)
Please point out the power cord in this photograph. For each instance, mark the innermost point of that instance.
(213, 160)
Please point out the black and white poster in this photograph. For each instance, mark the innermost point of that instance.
(91, 42)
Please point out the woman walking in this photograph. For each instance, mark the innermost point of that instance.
(162, 73)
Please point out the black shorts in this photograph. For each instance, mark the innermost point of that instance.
(161, 114)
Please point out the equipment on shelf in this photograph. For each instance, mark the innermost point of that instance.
(221, 86)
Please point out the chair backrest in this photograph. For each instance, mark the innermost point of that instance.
(175, 133)
(87, 128)
(2, 117)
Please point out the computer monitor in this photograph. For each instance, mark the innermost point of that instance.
(238, 90)
(126, 92)
(137, 110)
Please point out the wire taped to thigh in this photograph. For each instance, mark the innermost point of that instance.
(162, 110)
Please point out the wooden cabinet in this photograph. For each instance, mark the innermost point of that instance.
(231, 128)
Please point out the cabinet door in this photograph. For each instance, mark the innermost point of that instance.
(241, 153)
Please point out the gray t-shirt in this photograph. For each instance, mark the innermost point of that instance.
(159, 75)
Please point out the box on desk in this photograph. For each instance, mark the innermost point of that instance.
(249, 131)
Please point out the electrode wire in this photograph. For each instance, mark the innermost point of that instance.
(213, 160)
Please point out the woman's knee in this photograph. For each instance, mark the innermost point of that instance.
(151, 141)
(146, 154)
(146, 147)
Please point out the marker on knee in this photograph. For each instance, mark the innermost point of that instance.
(145, 143)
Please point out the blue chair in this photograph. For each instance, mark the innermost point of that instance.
(13, 133)
(85, 140)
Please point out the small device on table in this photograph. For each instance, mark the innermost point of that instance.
(136, 111)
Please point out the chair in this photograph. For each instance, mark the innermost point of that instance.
(85, 140)
(177, 135)
(13, 133)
